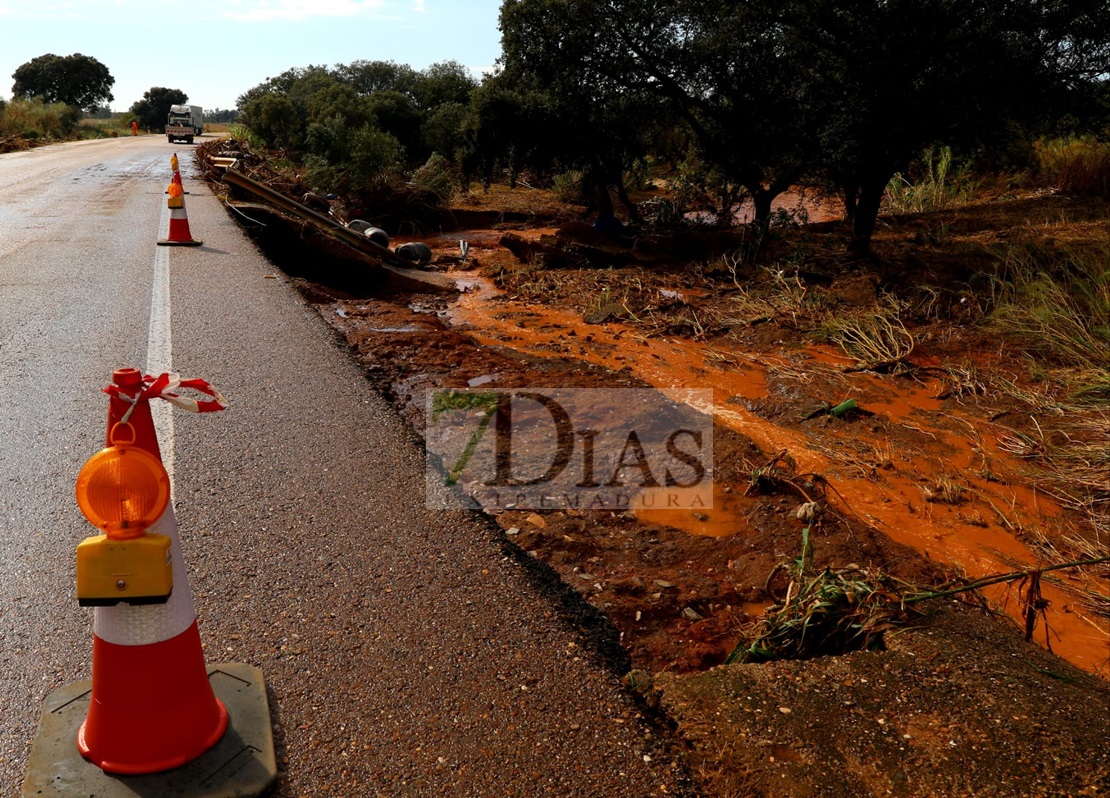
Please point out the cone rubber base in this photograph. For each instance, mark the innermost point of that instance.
(241, 765)
(190, 243)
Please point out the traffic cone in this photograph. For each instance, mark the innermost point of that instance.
(176, 175)
(179, 234)
(152, 707)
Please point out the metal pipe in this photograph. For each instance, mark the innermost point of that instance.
(233, 176)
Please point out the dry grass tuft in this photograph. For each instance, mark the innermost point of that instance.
(780, 297)
(1072, 459)
(1057, 304)
(1079, 166)
(875, 338)
(944, 490)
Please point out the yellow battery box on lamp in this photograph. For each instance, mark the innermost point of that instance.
(123, 490)
(135, 571)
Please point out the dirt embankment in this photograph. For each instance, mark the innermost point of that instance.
(914, 483)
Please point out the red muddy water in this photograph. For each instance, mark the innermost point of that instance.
(977, 533)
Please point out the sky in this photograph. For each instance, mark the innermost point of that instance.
(215, 51)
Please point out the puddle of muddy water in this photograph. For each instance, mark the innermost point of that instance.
(721, 520)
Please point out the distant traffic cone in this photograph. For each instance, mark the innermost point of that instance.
(179, 234)
(176, 175)
(152, 706)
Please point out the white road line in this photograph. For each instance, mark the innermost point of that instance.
(159, 346)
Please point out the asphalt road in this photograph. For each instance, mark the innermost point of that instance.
(405, 653)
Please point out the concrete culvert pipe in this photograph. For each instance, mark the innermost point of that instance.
(359, 225)
(377, 235)
(417, 252)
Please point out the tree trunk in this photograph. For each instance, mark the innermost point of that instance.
(867, 213)
(629, 205)
(762, 199)
(604, 200)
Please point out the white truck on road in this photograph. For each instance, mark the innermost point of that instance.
(184, 122)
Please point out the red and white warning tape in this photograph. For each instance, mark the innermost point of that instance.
(166, 386)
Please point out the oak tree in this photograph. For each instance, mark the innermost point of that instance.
(77, 80)
(851, 90)
(151, 111)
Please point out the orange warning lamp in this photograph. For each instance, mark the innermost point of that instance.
(123, 490)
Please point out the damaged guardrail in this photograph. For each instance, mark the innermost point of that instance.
(390, 261)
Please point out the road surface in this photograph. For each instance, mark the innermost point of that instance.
(405, 653)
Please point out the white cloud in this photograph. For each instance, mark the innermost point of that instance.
(26, 9)
(419, 6)
(263, 10)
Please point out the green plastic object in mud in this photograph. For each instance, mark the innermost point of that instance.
(843, 408)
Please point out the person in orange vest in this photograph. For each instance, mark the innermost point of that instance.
(134, 127)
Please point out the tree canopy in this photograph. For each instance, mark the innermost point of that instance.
(77, 80)
(737, 98)
(845, 90)
(906, 75)
(402, 115)
(152, 110)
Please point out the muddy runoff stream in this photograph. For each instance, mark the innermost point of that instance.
(890, 470)
(910, 465)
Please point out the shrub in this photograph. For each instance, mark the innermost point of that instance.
(34, 119)
(707, 192)
(569, 187)
(436, 177)
(274, 118)
(343, 160)
(239, 132)
(442, 131)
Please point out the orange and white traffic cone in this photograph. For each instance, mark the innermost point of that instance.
(179, 234)
(152, 706)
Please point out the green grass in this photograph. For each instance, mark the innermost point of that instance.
(824, 612)
(244, 133)
(1055, 302)
(934, 184)
(1076, 166)
(117, 125)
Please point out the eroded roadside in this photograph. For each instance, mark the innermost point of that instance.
(956, 704)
